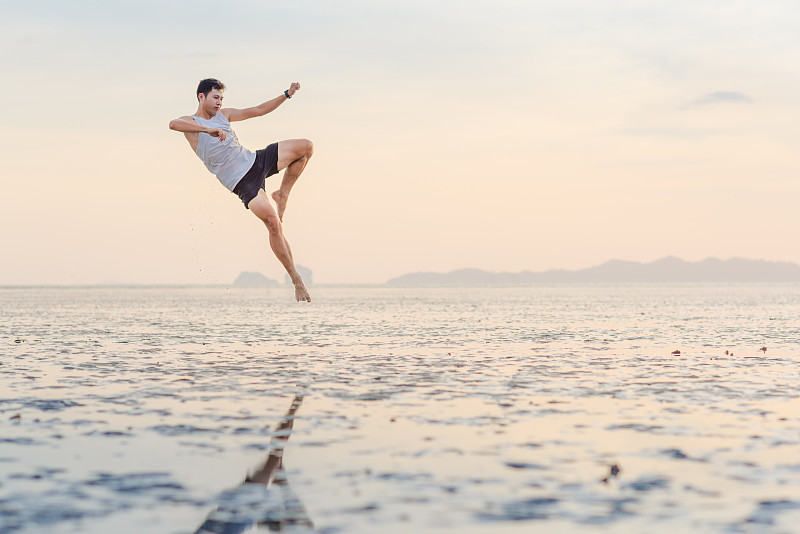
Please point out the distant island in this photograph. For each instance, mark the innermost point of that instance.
(665, 270)
(255, 279)
(252, 279)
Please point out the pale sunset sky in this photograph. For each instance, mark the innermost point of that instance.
(504, 135)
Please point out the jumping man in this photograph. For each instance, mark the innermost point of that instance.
(243, 172)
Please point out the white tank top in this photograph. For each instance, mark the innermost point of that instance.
(227, 160)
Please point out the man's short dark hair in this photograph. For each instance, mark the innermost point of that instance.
(208, 85)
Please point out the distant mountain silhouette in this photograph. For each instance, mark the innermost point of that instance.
(665, 270)
(252, 279)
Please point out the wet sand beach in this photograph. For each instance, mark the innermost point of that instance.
(631, 409)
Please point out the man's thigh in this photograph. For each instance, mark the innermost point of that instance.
(291, 150)
(261, 207)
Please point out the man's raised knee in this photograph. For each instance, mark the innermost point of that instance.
(309, 147)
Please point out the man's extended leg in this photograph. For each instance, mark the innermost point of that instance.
(262, 209)
(292, 156)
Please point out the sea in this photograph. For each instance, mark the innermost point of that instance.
(569, 409)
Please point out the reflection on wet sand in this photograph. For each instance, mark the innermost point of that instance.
(265, 498)
(435, 410)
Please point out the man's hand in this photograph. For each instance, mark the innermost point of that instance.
(293, 88)
(217, 132)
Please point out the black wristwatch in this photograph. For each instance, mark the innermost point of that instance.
(286, 92)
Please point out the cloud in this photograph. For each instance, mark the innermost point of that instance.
(720, 97)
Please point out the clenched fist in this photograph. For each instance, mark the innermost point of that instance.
(217, 132)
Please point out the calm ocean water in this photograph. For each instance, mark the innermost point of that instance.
(207, 409)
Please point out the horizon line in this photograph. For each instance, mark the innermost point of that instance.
(121, 284)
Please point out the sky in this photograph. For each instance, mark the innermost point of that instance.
(504, 135)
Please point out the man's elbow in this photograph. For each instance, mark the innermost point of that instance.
(173, 124)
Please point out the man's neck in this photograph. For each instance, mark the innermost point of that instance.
(201, 113)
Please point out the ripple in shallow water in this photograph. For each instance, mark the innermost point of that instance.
(454, 410)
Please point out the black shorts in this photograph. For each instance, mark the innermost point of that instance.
(266, 164)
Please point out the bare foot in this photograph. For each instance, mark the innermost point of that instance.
(301, 294)
(280, 201)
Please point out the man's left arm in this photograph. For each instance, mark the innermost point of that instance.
(233, 114)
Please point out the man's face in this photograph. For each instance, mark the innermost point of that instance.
(211, 103)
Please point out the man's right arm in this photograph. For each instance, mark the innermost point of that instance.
(187, 125)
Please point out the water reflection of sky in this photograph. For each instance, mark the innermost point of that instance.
(122, 429)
